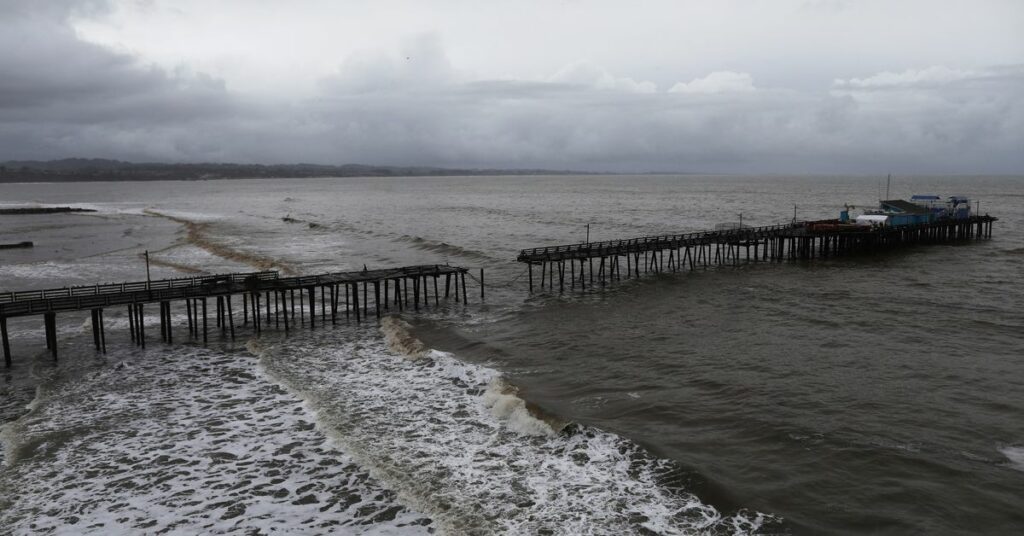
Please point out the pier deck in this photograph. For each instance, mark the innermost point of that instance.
(261, 292)
(796, 241)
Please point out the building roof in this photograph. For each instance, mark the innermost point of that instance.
(907, 207)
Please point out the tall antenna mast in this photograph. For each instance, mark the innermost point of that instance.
(888, 180)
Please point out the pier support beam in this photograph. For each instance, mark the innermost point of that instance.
(355, 300)
(95, 328)
(312, 306)
(6, 341)
(205, 336)
(284, 302)
(50, 322)
(98, 335)
(131, 321)
(231, 316)
(255, 298)
(334, 303)
(376, 294)
(188, 313)
(141, 324)
(103, 333)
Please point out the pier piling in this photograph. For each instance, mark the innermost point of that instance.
(50, 324)
(6, 341)
(204, 322)
(254, 288)
(798, 241)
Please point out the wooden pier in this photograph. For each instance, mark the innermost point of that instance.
(267, 300)
(575, 263)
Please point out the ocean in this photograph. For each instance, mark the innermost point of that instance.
(876, 394)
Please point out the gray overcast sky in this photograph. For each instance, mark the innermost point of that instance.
(827, 86)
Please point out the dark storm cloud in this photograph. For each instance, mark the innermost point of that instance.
(962, 122)
(61, 96)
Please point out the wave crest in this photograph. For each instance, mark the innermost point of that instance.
(443, 248)
(398, 334)
(522, 417)
(1015, 455)
(197, 237)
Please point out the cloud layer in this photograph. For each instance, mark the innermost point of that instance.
(412, 104)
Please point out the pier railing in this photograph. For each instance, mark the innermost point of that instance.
(134, 286)
(795, 241)
(260, 292)
(648, 243)
(365, 275)
(87, 297)
(733, 236)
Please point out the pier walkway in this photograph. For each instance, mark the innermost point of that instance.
(266, 298)
(797, 241)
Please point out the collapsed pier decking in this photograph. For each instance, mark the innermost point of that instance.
(796, 241)
(266, 298)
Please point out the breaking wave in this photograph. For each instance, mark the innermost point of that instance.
(500, 396)
(1015, 455)
(197, 235)
(400, 339)
(462, 446)
(156, 261)
(504, 402)
(443, 248)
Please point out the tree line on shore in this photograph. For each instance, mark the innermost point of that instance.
(83, 169)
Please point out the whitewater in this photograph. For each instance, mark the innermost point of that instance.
(875, 394)
(363, 429)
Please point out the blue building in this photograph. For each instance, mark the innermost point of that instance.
(921, 209)
(902, 212)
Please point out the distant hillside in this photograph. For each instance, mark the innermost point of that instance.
(85, 169)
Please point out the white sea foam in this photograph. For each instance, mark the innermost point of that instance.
(186, 257)
(194, 217)
(463, 448)
(55, 271)
(1015, 455)
(30, 330)
(184, 441)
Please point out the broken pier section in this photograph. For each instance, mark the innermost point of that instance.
(267, 299)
